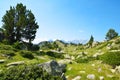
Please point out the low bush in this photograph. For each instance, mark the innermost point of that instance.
(40, 53)
(7, 53)
(27, 73)
(26, 54)
(111, 58)
(84, 59)
(35, 47)
(6, 47)
(19, 45)
(55, 54)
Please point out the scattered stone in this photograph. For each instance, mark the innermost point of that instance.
(113, 44)
(15, 63)
(109, 75)
(67, 77)
(67, 56)
(91, 76)
(93, 65)
(2, 61)
(114, 50)
(10, 67)
(117, 69)
(82, 72)
(65, 61)
(85, 53)
(101, 77)
(97, 54)
(72, 57)
(95, 43)
(99, 69)
(113, 70)
(77, 78)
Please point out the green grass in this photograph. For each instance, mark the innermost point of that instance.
(72, 50)
(89, 69)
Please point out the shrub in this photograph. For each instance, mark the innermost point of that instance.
(35, 47)
(7, 52)
(6, 47)
(26, 54)
(19, 45)
(27, 73)
(111, 58)
(40, 53)
(54, 54)
(82, 60)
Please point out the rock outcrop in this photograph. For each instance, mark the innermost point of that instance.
(16, 63)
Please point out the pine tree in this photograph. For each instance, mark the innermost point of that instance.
(19, 24)
(111, 34)
(91, 41)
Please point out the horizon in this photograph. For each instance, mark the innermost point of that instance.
(70, 20)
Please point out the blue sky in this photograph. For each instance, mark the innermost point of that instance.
(71, 19)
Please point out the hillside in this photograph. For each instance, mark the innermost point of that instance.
(82, 61)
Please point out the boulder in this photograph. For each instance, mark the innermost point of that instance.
(91, 76)
(53, 68)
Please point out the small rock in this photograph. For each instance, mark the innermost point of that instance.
(93, 65)
(67, 77)
(109, 75)
(91, 76)
(112, 70)
(117, 69)
(72, 57)
(67, 56)
(99, 69)
(77, 78)
(101, 77)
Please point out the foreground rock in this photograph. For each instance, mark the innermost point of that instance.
(54, 68)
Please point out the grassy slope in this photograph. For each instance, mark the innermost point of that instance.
(88, 68)
(91, 67)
